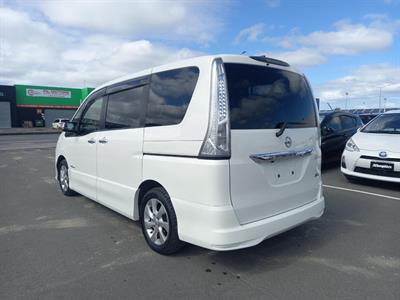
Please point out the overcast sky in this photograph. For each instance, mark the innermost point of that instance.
(343, 47)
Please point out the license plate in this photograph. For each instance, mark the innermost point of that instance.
(382, 166)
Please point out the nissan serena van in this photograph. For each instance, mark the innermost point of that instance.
(217, 151)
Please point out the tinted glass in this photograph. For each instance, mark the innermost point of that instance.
(125, 109)
(90, 120)
(263, 98)
(169, 96)
(78, 113)
(82, 107)
(335, 124)
(348, 122)
(386, 123)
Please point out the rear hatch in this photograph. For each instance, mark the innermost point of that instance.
(271, 174)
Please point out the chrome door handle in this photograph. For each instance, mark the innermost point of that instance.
(91, 141)
(103, 141)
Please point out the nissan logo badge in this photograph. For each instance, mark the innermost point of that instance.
(288, 142)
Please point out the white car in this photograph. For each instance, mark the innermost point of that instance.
(374, 151)
(218, 151)
(59, 123)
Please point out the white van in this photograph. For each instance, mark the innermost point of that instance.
(217, 151)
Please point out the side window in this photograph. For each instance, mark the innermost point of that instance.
(90, 120)
(169, 96)
(125, 109)
(335, 124)
(81, 109)
(78, 113)
(348, 122)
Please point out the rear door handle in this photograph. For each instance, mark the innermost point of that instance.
(91, 141)
(103, 141)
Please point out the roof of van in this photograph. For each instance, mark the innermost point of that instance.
(255, 60)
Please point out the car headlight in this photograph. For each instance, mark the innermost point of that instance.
(351, 146)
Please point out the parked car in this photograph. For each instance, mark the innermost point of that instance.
(374, 151)
(366, 118)
(336, 128)
(59, 123)
(218, 151)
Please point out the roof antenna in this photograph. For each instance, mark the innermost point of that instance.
(243, 52)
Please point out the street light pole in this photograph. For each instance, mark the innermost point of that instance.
(347, 94)
(380, 95)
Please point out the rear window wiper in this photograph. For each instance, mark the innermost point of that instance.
(283, 125)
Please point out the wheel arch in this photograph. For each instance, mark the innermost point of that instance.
(144, 187)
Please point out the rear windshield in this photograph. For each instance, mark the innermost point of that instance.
(385, 123)
(265, 98)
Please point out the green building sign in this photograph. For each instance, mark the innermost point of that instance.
(49, 97)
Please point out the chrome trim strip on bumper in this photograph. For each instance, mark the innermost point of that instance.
(271, 156)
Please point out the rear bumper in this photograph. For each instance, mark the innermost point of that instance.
(217, 228)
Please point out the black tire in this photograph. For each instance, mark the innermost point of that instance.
(172, 243)
(64, 184)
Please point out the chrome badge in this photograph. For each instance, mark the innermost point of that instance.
(288, 142)
(383, 154)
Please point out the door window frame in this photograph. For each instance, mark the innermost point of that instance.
(128, 85)
(88, 103)
(105, 93)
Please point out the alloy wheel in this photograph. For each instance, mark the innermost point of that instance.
(156, 222)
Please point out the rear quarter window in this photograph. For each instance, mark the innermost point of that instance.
(169, 96)
(262, 98)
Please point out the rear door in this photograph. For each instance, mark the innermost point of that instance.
(271, 174)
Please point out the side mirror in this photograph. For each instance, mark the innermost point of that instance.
(326, 131)
(70, 127)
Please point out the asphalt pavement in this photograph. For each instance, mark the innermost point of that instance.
(52, 246)
(28, 142)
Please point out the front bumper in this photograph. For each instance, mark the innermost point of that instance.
(353, 162)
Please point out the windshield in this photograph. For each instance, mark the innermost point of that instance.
(385, 123)
(265, 98)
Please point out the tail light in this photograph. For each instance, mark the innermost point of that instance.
(217, 141)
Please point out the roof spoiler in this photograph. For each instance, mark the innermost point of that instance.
(269, 60)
